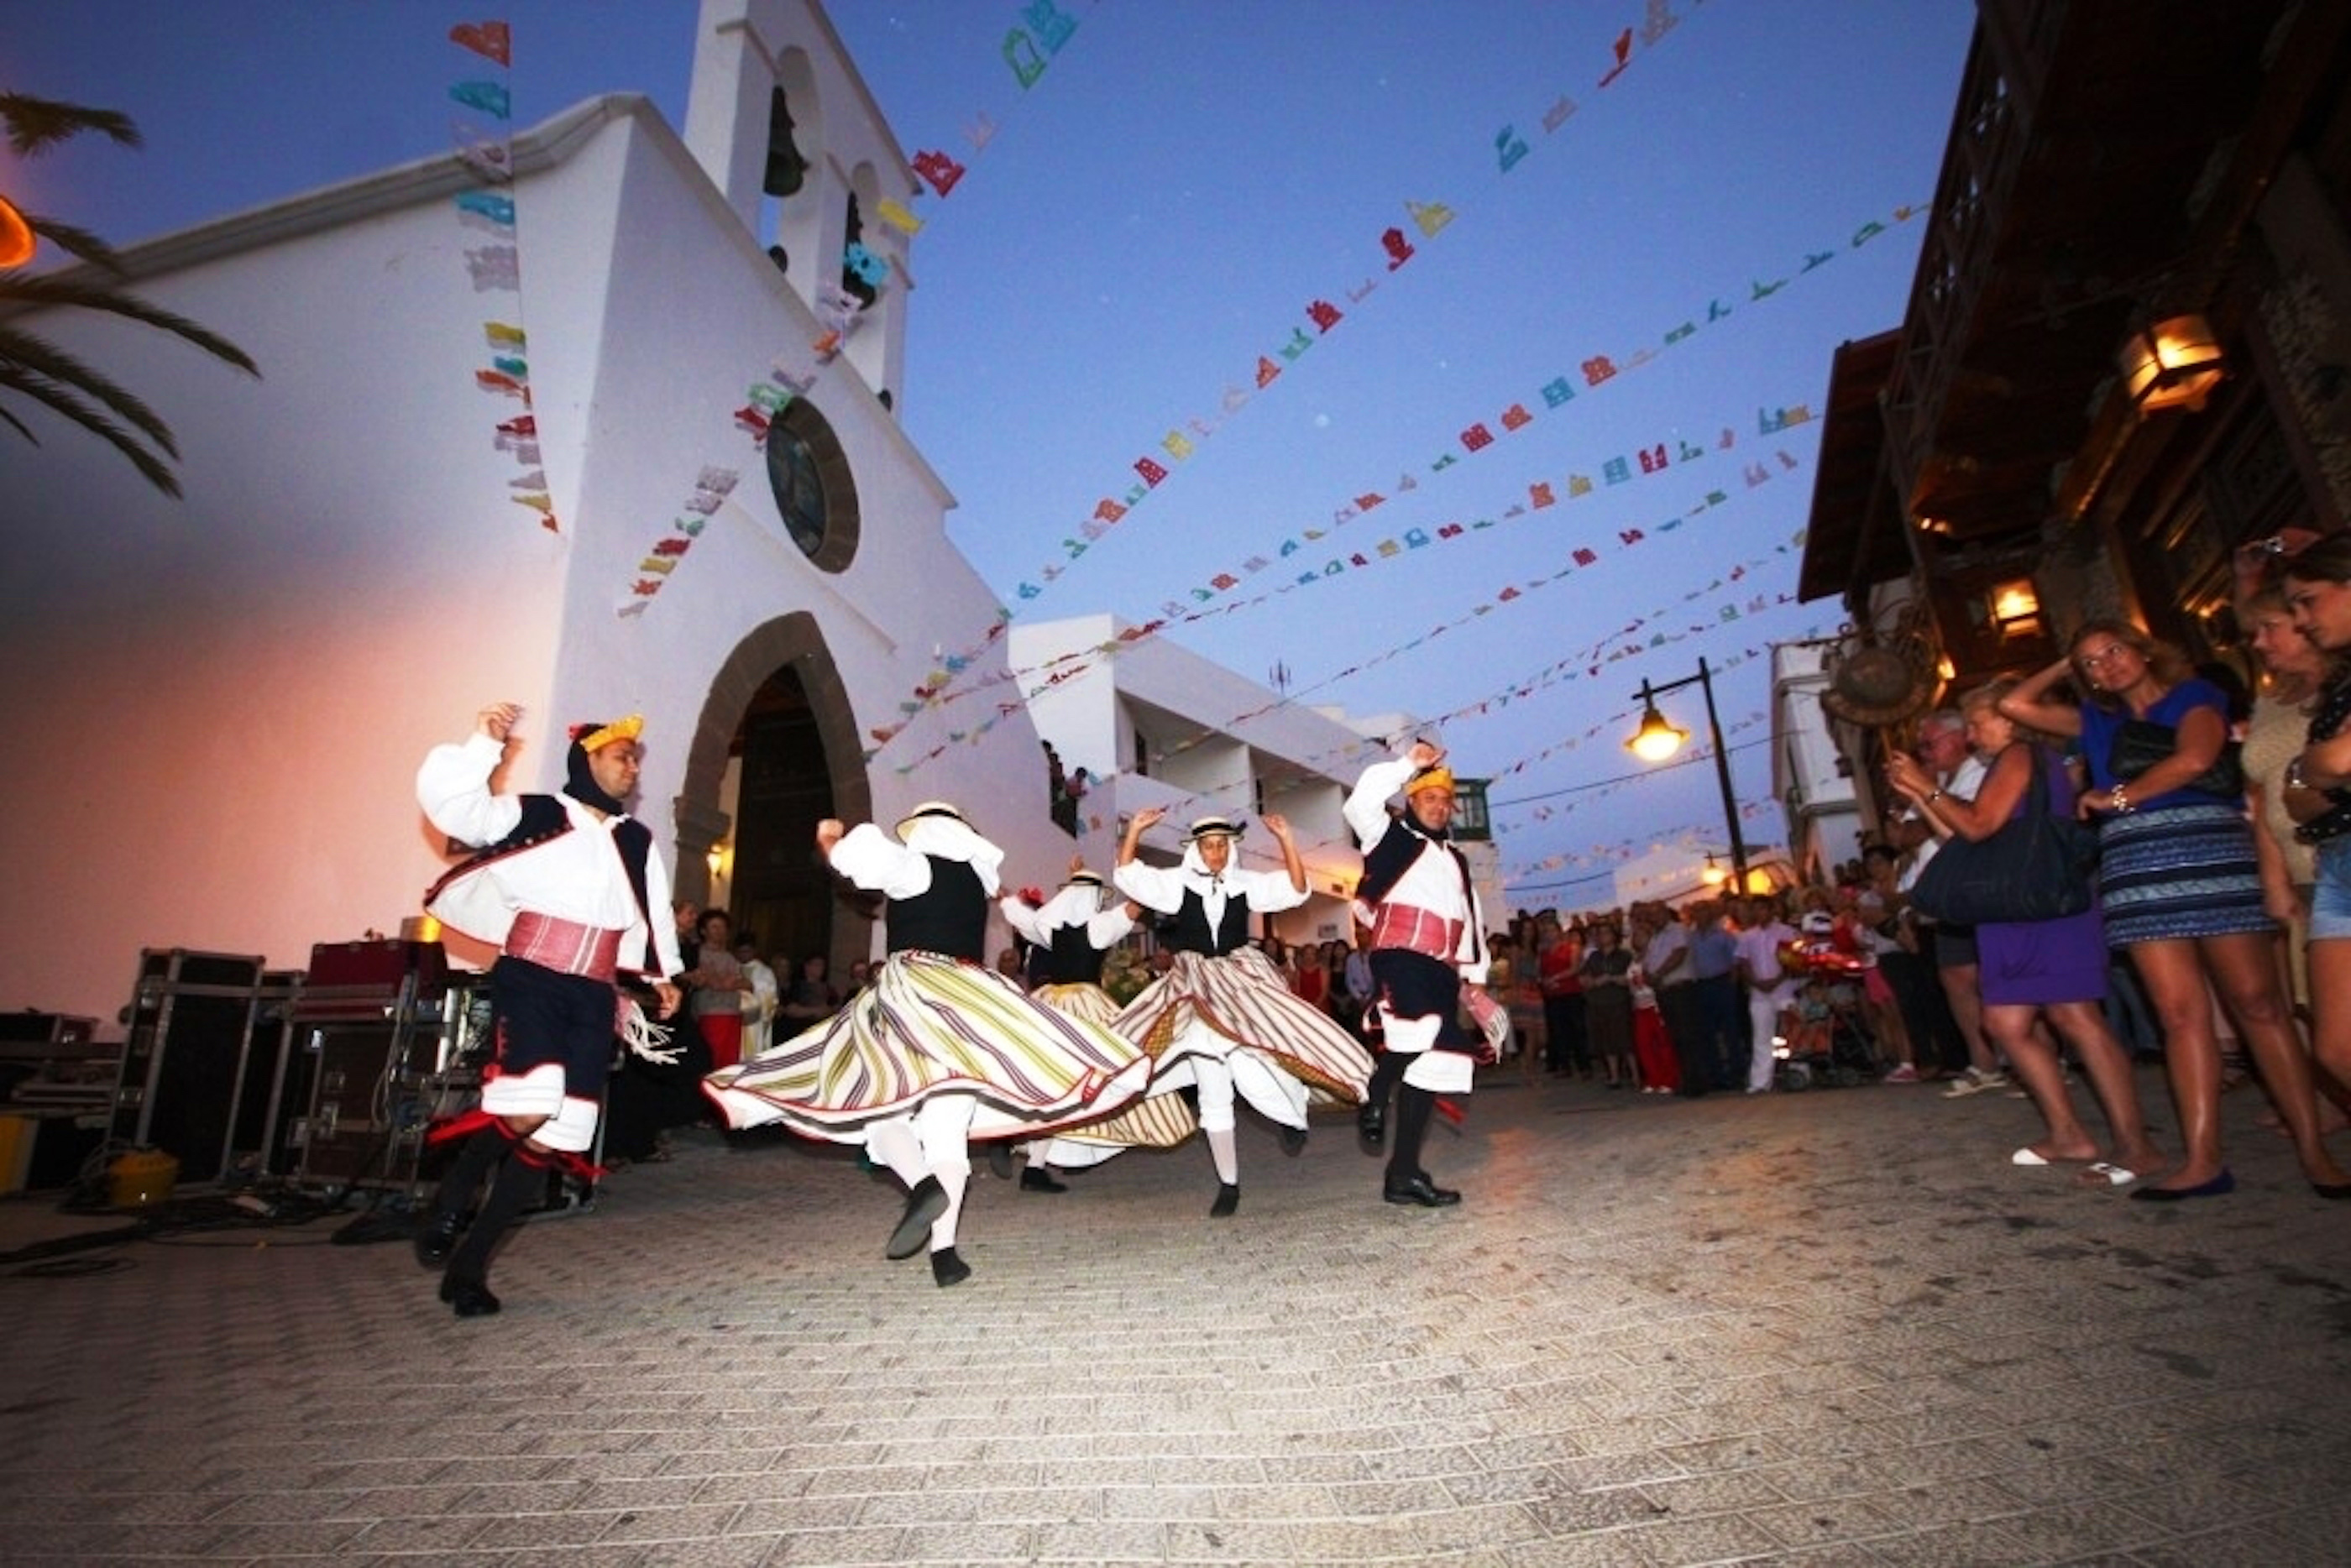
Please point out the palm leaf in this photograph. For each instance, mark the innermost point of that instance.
(80, 243)
(42, 390)
(36, 123)
(50, 290)
(38, 356)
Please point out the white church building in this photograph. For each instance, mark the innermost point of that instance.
(446, 491)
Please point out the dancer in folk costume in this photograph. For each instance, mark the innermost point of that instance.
(938, 1048)
(1222, 1019)
(1427, 939)
(565, 886)
(1073, 933)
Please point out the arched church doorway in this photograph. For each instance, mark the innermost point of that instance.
(776, 752)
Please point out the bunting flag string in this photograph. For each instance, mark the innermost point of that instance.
(1185, 435)
(1540, 495)
(711, 487)
(495, 265)
(1028, 51)
(941, 687)
(1478, 437)
(1623, 643)
(1755, 475)
(1065, 667)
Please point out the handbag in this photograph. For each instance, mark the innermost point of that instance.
(2035, 868)
(2141, 743)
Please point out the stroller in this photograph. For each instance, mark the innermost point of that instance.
(1826, 1045)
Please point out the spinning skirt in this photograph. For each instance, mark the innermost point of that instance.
(1242, 1000)
(929, 1025)
(1237, 1006)
(2179, 872)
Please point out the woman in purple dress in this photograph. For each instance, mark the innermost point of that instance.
(2053, 968)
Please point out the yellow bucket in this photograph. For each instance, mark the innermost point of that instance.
(142, 1177)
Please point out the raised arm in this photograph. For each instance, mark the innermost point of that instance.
(2028, 703)
(1982, 817)
(1291, 861)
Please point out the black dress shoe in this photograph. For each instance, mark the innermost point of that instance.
(1000, 1161)
(1422, 1192)
(472, 1298)
(437, 1238)
(948, 1268)
(2218, 1186)
(1293, 1140)
(1229, 1201)
(2333, 1191)
(1037, 1178)
(925, 1204)
(1371, 1124)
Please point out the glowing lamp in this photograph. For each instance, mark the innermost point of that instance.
(1657, 738)
(2172, 364)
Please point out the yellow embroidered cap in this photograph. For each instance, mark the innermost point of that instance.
(1437, 777)
(596, 737)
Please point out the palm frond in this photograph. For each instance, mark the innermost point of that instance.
(36, 123)
(77, 242)
(38, 356)
(63, 401)
(45, 290)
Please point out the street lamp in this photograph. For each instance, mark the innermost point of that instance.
(1660, 738)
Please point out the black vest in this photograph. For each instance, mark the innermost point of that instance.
(1071, 958)
(1189, 932)
(950, 917)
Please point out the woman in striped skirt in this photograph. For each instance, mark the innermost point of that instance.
(1223, 1020)
(2179, 882)
(938, 1048)
(1075, 933)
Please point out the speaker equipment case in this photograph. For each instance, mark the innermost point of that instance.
(184, 1068)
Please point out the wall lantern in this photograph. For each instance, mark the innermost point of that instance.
(15, 236)
(2013, 608)
(2172, 364)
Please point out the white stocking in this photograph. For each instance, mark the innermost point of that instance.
(943, 1124)
(893, 1143)
(1214, 1080)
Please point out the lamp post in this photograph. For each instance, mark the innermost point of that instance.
(1658, 738)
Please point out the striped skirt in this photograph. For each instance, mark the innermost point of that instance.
(928, 1026)
(1079, 999)
(2179, 872)
(1243, 1002)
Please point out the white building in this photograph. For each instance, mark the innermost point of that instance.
(219, 703)
(1809, 774)
(1154, 725)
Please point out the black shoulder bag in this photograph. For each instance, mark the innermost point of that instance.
(2035, 867)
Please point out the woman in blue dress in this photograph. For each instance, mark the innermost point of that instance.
(2180, 884)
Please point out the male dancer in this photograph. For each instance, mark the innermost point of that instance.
(1427, 938)
(565, 886)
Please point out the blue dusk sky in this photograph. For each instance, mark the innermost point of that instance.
(1192, 187)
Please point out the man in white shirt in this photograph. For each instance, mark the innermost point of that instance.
(1769, 986)
(1428, 936)
(564, 885)
(1959, 772)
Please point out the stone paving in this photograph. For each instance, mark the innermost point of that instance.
(1827, 1328)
